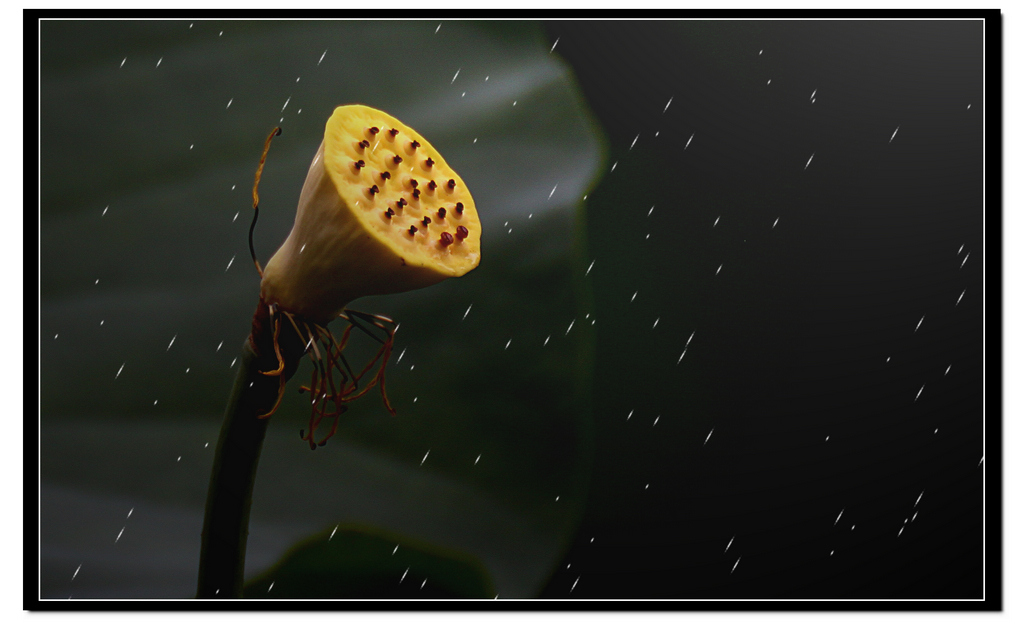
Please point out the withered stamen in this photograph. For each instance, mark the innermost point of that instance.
(373, 130)
(459, 207)
(416, 193)
(429, 162)
(451, 184)
(397, 159)
(412, 229)
(426, 221)
(374, 189)
(446, 239)
(414, 144)
(432, 185)
(461, 232)
(441, 212)
(359, 164)
(364, 143)
(389, 213)
(414, 183)
(393, 132)
(402, 202)
(385, 175)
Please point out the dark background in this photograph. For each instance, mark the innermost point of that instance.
(806, 357)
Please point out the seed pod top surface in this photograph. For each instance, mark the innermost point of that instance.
(349, 137)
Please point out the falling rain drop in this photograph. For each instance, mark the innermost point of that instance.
(553, 45)
(667, 104)
(589, 267)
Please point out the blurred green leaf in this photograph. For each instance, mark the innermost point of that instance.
(151, 132)
(355, 561)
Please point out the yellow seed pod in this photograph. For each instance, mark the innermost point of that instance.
(380, 212)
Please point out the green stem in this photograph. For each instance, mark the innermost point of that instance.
(229, 498)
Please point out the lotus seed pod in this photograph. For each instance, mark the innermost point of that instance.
(364, 226)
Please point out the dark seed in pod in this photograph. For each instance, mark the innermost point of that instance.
(446, 239)
(461, 232)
